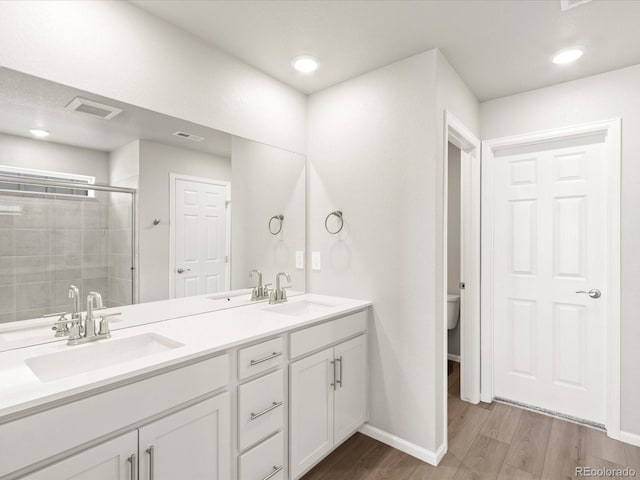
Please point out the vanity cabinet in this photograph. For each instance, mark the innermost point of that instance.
(267, 410)
(193, 443)
(112, 460)
(328, 401)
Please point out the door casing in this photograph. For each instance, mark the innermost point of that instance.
(458, 134)
(611, 131)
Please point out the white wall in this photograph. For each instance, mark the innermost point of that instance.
(42, 155)
(157, 161)
(124, 165)
(114, 49)
(453, 237)
(266, 181)
(372, 154)
(600, 97)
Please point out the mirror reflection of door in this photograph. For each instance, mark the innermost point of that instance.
(200, 243)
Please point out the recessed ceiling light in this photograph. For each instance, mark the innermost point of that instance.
(38, 132)
(567, 55)
(305, 63)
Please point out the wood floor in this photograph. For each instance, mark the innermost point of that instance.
(486, 441)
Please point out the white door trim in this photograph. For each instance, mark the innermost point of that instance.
(172, 225)
(611, 130)
(460, 136)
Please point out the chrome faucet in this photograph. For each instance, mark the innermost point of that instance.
(85, 331)
(259, 292)
(74, 294)
(79, 329)
(94, 299)
(279, 294)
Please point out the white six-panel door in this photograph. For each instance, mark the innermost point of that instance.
(550, 225)
(200, 238)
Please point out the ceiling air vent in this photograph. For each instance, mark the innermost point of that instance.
(95, 109)
(188, 136)
(569, 4)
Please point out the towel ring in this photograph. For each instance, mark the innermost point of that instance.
(338, 215)
(275, 230)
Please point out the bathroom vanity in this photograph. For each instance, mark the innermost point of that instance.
(254, 392)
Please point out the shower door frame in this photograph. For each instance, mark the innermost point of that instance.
(99, 187)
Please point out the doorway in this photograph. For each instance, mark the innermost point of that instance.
(462, 148)
(551, 269)
(199, 236)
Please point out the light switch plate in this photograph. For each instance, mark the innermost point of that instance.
(300, 259)
(316, 262)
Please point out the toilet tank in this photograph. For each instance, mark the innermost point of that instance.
(453, 310)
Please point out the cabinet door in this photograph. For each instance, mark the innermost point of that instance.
(193, 443)
(350, 398)
(112, 460)
(311, 410)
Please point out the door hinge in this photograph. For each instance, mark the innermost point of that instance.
(462, 286)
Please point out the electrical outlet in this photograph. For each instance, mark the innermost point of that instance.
(300, 259)
(316, 263)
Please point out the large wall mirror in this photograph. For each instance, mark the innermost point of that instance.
(136, 205)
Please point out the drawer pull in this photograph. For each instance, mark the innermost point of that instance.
(133, 460)
(265, 359)
(152, 462)
(275, 471)
(266, 410)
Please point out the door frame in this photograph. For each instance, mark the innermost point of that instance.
(173, 177)
(459, 135)
(611, 130)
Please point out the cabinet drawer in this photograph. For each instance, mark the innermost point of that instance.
(314, 338)
(261, 408)
(264, 460)
(259, 358)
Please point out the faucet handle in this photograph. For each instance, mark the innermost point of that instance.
(59, 326)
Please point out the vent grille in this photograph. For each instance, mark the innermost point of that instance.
(95, 109)
(569, 4)
(188, 136)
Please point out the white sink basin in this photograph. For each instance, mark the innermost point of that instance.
(101, 354)
(303, 307)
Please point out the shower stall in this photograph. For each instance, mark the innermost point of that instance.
(56, 233)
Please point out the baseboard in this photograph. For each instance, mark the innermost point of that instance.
(453, 357)
(631, 438)
(428, 456)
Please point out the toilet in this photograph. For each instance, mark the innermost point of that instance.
(453, 314)
(453, 310)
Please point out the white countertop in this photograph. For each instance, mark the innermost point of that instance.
(202, 334)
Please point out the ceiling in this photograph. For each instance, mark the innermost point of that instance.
(499, 47)
(30, 102)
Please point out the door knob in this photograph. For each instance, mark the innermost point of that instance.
(182, 270)
(593, 293)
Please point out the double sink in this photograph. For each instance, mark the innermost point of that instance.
(109, 352)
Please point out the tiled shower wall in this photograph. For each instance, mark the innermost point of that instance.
(53, 242)
(120, 251)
